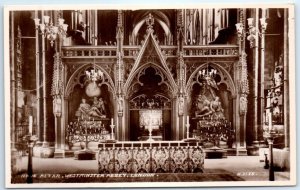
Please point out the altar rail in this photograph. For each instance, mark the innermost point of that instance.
(133, 51)
(151, 157)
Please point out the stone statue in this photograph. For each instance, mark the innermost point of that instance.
(180, 105)
(98, 106)
(120, 104)
(211, 82)
(278, 76)
(97, 110)
(211, 108)
(57, 107)
(216, 108)
(243, 104)
(202, 106)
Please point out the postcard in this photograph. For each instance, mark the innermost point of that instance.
(150, 96)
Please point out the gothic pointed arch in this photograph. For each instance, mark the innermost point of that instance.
(78, 78)
(150, 53)
(158, 71)
(225, 77)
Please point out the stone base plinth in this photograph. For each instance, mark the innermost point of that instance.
(85, 155)
(215, 152)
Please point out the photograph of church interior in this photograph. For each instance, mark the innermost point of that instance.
(150, 91)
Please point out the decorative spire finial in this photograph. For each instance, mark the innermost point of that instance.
(150, 21)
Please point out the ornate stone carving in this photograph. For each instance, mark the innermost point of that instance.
(243, 83)
(58, 75)
(19, 61)
(150, 22)
(146, 158)
(206, 107)
(243, 72)
(224, 77)
(136, 83)
(154, 102)
(243, 104)
(96, 110)
(79, 131)
(80, 79)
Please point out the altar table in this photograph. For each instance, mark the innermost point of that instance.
(150, 157)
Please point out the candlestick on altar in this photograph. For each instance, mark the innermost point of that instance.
(30, 125)
(150, 132)
(112, 130)
(187, 130)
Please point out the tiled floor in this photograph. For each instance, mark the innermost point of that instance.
(237, 167)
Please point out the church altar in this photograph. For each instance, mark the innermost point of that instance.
(150, 157)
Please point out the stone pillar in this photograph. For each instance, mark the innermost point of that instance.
(120, 113)
(181, 126)
(45, 143)
(57, 92)
(65, 118)
(119, 78)
(38, 84)
(262, 82)
(59, 129)
(256, 67)
(175, 122)
(234, 123)
(241, 81)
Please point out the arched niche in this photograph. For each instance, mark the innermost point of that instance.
(162, 27)
(149, 90)
(135, 83)
(223, 88)
(79, 87)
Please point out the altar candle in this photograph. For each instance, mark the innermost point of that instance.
(188, 119)
(30, 124)
(112, 121)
